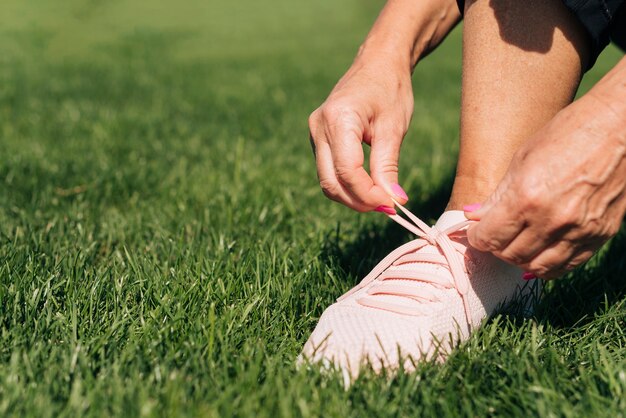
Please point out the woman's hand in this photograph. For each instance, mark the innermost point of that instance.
(372, 103)
(564, 194)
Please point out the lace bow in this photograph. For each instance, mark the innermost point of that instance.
(451, 256)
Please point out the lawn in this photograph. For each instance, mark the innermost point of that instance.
(165, 248)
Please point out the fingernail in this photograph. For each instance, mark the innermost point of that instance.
(528, 276)
(399, 191)
(472, 207)
(386, 209)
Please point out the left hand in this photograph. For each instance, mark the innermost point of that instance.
(564, 194)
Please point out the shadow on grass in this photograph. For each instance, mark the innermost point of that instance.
(373, 243)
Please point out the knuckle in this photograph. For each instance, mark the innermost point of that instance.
(333, 110)
(512, 257)
(568, 217)
(344, 172)
(388, 165)
(483, 243)
(313, 120)
(330, 189)
(531, 196)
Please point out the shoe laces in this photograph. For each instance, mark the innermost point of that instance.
(451, 256)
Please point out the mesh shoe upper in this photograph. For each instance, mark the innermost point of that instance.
(420, 301)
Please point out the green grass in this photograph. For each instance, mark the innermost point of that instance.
(165, 249)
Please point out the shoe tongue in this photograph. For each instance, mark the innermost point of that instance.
(450, 218)
(447, 219)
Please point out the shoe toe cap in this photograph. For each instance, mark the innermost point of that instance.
(349, 337)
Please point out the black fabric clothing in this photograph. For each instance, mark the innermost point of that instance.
(618, 29)
(604, 21)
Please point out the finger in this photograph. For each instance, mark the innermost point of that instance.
(474, 211)
(384, 159)
(551, 262)
(567, 267)
(526, 246)
(347, 155)
(580, 258)
(469, 209)
(500, 223)
(328, 181)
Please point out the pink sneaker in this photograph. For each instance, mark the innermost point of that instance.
(418, 303)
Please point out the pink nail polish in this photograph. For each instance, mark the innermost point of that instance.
(528, 276)
(472, 207)
(399, 191)
(386, 209)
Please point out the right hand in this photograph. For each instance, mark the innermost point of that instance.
(372, 103)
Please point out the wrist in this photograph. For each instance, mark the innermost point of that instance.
(610, 91)
(407, 30)
(393, 53)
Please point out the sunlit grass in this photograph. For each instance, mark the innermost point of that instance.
(166, 249)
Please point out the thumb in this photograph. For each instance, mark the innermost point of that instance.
(476, 211)
(384, 165)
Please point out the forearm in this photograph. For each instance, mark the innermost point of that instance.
(407, 30)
